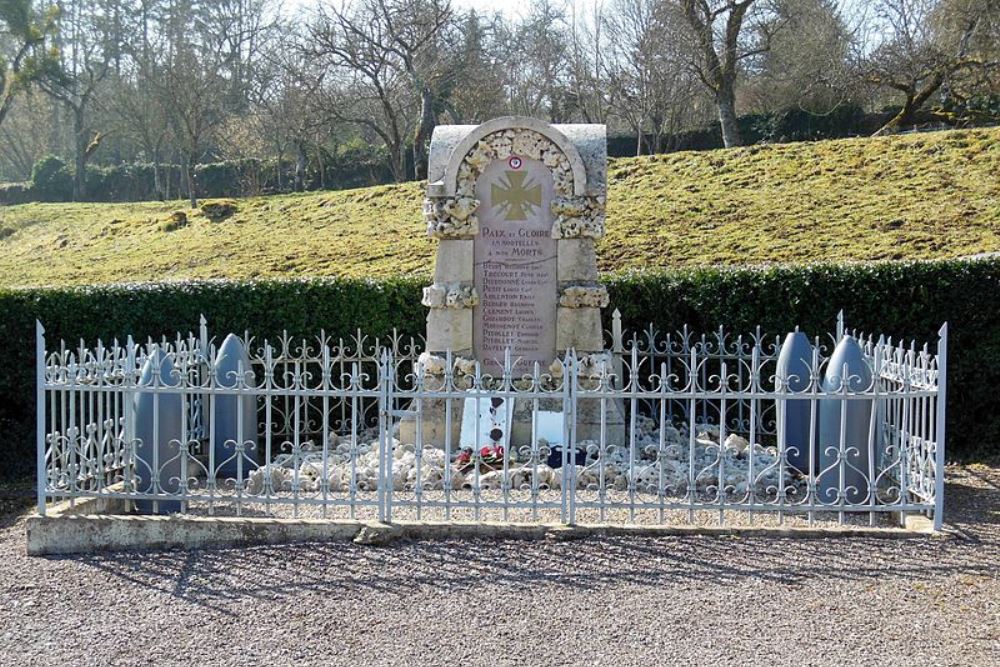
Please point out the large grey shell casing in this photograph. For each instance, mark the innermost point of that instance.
(234, 419)
(159, 424)
(794, 370)
(847, 367)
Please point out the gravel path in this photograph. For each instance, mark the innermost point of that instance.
(711, 601)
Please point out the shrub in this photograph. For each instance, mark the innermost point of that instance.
(222, 179)
(905, 299)
(16, 193)
(177, 220)
(218, 210)
(51, 180)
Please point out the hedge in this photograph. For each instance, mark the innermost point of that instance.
(352, 165)
(899, 299)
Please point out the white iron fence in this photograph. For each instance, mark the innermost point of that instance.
(664, 429)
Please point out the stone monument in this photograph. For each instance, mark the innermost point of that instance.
(516, 206)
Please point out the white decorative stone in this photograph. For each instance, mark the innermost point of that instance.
(451, 217)
(585, 147)
(584, 296)
(578, 217)
(431, 364)
(450, 295)
(434, 365)
(525, 143)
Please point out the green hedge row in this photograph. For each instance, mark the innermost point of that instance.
(787, 125)
(351, 165)
(898, 299)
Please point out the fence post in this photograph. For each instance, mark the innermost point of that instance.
(570, 464)
(204, 368)
(385, 439)
(940, 436)
(569, 423)
(840, 327)
(40, 414)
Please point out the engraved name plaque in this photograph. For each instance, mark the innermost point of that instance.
(515, 266)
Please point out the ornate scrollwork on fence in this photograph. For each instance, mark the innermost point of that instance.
(706, 416)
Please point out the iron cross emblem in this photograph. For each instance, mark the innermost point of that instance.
(516, 198)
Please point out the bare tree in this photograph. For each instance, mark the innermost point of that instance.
(193, 96)
(412, 29)
(358, 79)
(136, 98)
(808, 65)
(649, 82)
(24, 58)
(380, 63)
(931, 45)
(84, 66)
(293, 113)
(473, 84)
(536, 53)
(24, 140)
(588, 62)
(724, 34)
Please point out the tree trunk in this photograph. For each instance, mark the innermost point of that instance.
(80, 143)
(300, 165)
(397, 162)
(897, 122)
(725, 99)
(157, 181)
(912, 104)
(189, 180)
(423, 133)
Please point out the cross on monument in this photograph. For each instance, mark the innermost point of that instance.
(517, 198)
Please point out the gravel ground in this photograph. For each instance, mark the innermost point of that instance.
(624, 601)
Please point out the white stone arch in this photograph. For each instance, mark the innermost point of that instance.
(471, 140)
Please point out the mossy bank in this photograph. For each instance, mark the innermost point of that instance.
(925, 196)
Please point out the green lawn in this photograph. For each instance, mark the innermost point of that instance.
(920, 196)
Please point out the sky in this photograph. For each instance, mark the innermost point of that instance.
(512, 8)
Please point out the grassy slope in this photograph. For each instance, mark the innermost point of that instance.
(920, 196)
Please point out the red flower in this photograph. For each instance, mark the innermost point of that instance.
(491, 452)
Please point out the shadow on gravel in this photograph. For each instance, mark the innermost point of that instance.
(972, 503)
(16, 497)
(214, 579)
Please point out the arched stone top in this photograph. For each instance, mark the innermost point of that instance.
(449, 183)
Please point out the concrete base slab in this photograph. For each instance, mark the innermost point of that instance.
(67, 533)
